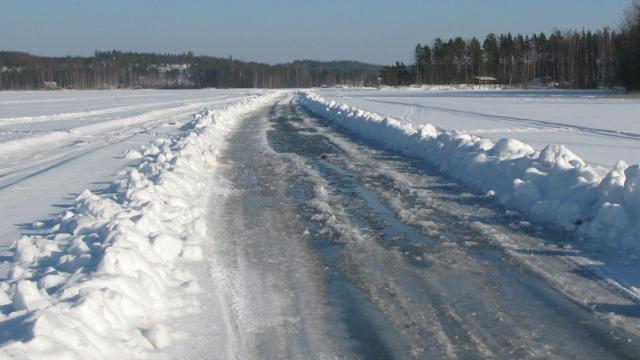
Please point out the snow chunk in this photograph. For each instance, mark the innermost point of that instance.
(167, 247)
(507, 149)
(27, 296)
(158, 336)
(428, 131)
(25, 251)
(133, 155)
(559, 156)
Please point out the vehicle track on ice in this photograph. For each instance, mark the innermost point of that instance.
(542, 124)
(326, 247)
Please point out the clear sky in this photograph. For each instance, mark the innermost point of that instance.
(282, 30)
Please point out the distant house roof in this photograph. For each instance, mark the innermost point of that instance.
(486, 78)
(50, 85)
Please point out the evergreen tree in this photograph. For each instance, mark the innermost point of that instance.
(491, 55)
(475, 56)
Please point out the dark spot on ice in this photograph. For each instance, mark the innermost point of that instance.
(579, 222)
(324, 156)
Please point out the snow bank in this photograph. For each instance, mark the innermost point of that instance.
(552, 185)
(106, 282)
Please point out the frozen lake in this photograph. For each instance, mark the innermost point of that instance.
(601, 127)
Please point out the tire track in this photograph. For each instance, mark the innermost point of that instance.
(521, 120)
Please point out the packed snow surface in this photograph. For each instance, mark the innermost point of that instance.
(552, 184)
(104, 279)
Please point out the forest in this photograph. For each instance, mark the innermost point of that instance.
(117, 69)
(577, 60)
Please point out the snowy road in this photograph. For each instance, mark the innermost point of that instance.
(326, 247)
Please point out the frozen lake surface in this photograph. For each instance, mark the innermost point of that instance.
(601, 127)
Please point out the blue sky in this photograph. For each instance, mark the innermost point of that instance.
(282, 30)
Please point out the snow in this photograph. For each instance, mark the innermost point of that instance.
(105, 278)
(599, 126)
(105, 196)
(64, 155)
(551, 185)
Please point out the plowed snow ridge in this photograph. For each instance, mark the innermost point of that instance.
(106, 280)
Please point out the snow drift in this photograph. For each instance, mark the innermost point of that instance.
(552, 185)
(106, 280)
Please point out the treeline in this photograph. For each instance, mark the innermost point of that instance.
(571, 59)
(575, 60)
(116, 69)
(628, 49)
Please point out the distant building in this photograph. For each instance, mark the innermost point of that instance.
(485, 80)
(50, 85)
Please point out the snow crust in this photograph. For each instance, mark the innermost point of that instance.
(552, 185)
(107, 279)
